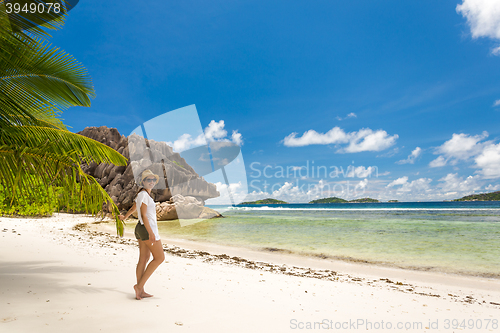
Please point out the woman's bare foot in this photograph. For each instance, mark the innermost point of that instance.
(145, 294)
(138, 292)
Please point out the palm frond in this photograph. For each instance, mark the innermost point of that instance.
(33, 23)
(62, 142)
(37, 79)
(24, 170)
(37, 82)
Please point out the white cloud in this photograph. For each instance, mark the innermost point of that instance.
(334, 136)
(463, 147)
(419, 185)
(451, 182)
(238, 193)
(412, 157)
(368, 140)
(438, 162)
(496, 52)
(213, 132)
(237, 138)
(362, 140)
(483, 17)
(489, 161)
(360, 171)
(185, 141)
(399, 181)
(459, 147)
(362, 185)
(497, 102)
(286, 192)
(350, 115)
(492, 188)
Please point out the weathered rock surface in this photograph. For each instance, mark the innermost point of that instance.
(178, 177)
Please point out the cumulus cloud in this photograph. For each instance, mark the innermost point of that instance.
(361, 185)
(464, 147)
(415, 186)
(334, 136)
(483, 18)
(235, 192)
(459, 147)
(412, 157)
(489, 161)
(438, 162)
(399, 181)
(452, 183)
(358, 141)
(236, 137)
(286, 192)
(213, 132)
(299, 192)
(492, 187)
(186, 141)
(360, 171)
(368, 140)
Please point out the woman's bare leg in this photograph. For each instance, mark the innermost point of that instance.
(144, 255)
(158, 257)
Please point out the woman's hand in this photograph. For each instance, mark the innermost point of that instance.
(121, 217)
(152, 238)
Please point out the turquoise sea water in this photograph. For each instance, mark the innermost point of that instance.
(457, 237)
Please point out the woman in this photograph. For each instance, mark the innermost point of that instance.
(146, 232)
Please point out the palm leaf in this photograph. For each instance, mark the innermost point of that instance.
(38, 82)
(61, 142)
(24, 169)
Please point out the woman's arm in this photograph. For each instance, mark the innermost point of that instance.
(130, 212)
(145, 220)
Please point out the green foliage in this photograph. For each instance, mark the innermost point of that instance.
(492, 196)
(42, 201)
(40, 160)
(364, 200)
(339, 200)
(328, 200)
(267, 201)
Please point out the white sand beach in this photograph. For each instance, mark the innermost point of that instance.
(55, 278)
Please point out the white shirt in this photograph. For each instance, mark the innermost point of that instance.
(144, 197)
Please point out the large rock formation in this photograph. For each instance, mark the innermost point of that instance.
(119, 181)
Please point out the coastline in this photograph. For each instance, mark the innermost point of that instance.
(59, 277)
(357, 269)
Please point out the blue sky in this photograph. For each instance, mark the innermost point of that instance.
(401, 98)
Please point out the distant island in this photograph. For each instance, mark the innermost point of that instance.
(339, 200)
(328, 200)
(392, 201)
(363, 200)
(492, 196)
(267, 201)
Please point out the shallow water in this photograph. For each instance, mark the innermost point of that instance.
(457, 237)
